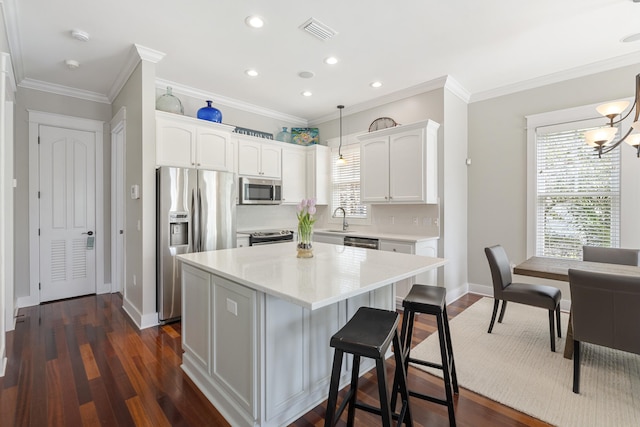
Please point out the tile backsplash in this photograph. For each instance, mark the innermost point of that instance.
(421, 220)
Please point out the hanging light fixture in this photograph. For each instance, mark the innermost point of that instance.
(341, 160)
(601, 139)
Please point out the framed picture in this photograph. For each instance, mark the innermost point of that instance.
(305, 136)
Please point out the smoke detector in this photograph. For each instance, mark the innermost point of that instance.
(80, 35)
(318, 29)
(72, 64)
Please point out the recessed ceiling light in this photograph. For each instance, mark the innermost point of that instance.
(332, 60)
(306, 74)
(376, 84)
(307, 93)
(254, 21)
(631, 38)
(72, 64)
(80, 35)
(251, 73)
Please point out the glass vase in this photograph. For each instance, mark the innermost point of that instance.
(305, 237)
(210, 113)
(169, 103)
(284, 135)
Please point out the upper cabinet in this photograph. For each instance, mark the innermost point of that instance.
(305, 173)
(399, 165)
(192, 143)
(261, 159)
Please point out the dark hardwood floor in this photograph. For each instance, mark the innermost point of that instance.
(82, 362)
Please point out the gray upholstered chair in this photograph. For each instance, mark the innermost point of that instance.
(605, 311)
(504, 290)
(611, 255)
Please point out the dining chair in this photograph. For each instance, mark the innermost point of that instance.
(611, 255)
(605, 310)
(505, 290)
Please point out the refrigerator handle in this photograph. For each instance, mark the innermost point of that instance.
(200, 229)
(194, 223)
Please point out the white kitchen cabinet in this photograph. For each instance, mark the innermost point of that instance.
(333, 238)
(319, 173)
(242, 240)
(425, 248)
(294, 175)
(261, 159)
(399, 165)
(191, 143)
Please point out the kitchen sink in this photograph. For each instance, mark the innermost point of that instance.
(336, 231)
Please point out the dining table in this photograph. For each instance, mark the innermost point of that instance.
(558, 269)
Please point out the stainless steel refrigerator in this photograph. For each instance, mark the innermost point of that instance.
(196, 212)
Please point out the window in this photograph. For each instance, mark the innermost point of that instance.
(577, 194)
(345, 181)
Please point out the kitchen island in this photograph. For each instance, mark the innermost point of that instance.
(257, 322)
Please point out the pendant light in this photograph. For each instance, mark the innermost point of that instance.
(341, 160)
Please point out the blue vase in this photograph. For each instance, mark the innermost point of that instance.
(210, 113)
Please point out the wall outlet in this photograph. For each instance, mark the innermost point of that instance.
(415, 220)
(392, 220)
(134, 280)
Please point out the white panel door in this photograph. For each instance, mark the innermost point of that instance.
(67, 213)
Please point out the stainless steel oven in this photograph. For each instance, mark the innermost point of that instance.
(270, 237)
(255, 191)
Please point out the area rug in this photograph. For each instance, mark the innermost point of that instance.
(515, 366)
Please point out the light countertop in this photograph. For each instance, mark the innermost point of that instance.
(334, 274)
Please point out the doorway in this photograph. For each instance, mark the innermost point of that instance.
(66, 220)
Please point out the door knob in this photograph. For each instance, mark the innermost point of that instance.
(90, 233)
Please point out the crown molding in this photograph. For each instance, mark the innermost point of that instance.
(439, 83)
(230, 102)
(148, 54)
(573, 73)
(136, 54)
(63, 90)
(457, 89)
(13, 36)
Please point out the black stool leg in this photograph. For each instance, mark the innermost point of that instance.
(405, 344)
(401, 379)
(454, 376)
(385, 408)
(329, 418)
(558, 321)
(445, 368)
(355, 373)
(551, 331)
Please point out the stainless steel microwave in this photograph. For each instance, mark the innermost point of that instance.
(255, 191)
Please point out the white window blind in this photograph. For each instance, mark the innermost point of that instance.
(577, 193)
(345, 181)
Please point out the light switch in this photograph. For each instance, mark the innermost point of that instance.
(232, 307)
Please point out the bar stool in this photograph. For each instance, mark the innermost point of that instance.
(429, 300)
(368, 334)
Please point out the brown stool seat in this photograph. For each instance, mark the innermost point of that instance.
(426, 299)
(369, 333)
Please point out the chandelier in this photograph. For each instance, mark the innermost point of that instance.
(602, 139)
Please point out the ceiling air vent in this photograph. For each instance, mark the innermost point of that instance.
(318, 29)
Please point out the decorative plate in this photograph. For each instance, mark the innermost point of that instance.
(305, 136)
(382, 123)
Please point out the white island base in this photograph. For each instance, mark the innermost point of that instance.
(257, 322)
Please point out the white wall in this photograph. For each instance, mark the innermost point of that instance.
(27, 99)
(498, 175)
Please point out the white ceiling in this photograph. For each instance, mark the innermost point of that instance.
(486, 46)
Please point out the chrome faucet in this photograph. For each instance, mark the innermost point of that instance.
(344, 217)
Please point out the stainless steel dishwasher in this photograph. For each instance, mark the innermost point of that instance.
(361, 242)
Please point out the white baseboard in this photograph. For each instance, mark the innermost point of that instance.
(3, 363)
(142, 321)
(28, 301)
